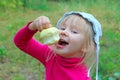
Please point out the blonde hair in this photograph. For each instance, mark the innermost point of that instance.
(89, 48)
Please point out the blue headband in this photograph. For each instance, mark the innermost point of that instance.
(96, 28)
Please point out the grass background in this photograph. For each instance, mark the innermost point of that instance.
(16, 65)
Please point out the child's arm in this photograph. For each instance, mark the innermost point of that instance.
(24, 41)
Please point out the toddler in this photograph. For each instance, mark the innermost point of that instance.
(74, 55)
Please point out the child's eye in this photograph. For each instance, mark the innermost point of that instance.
(74, 31)
(62, 28)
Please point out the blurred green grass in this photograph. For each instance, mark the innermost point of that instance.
(15, 65)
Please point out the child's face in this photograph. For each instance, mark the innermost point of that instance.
(72, 37)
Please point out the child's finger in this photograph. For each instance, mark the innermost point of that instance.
(39, 23)
(45, 20)
(48, 25)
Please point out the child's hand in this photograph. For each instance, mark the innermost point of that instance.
(40, 23)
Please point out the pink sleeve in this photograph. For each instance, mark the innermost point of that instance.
(24, 41)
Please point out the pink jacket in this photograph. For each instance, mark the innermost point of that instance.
(56, 66)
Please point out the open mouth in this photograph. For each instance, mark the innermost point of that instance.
(63, 42)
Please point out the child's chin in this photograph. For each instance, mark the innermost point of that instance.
(60, 52)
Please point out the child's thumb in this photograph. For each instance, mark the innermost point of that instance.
(48, 25)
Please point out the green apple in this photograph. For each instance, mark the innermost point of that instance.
(49, 36)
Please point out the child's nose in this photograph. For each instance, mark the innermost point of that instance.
(63, 33)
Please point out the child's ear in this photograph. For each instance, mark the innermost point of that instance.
(85, 49)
